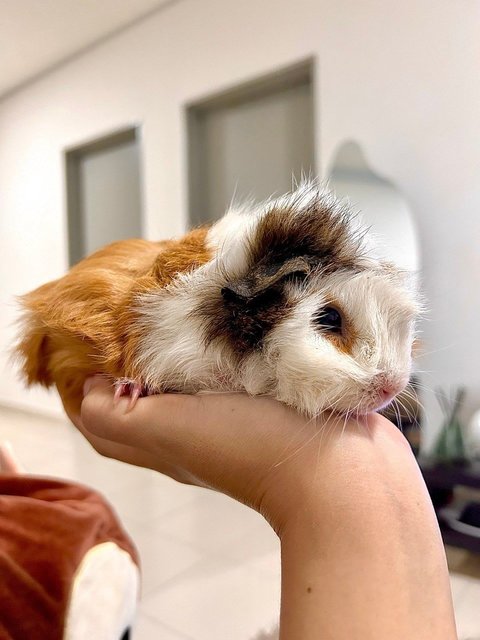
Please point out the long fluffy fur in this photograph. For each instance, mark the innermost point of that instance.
(232, 307)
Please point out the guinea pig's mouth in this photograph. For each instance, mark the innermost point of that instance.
(380, 394)
(378, 402)
(379, 406)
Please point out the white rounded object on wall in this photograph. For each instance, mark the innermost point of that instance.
(472, 436)
(381, 206)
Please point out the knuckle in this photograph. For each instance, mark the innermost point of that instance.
(91, 414)
(97, 446)
(101, 448)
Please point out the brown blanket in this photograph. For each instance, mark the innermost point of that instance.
(46, 527)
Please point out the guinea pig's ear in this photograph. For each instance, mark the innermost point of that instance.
(263, 276)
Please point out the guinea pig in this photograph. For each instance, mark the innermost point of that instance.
(281, 299)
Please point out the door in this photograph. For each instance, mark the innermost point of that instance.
(104, 193)
(250, 142)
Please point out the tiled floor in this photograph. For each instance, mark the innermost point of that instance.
(211, 567)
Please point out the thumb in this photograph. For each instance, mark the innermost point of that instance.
(95, 382)
(99, 413)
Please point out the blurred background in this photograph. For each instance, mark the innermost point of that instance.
(123, 118)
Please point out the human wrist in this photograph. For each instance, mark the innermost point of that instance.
(336, 471)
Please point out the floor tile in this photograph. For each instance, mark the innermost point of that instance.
(210, 523)
(161, 558)
(153, 497)
(215, 601)
(254, 543)
(466, 605)
(147, 628)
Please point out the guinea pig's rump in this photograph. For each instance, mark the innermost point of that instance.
(81, 324)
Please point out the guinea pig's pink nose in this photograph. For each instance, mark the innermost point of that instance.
(389, 387)
(389, 390)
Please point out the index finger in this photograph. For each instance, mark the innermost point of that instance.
(193, 425)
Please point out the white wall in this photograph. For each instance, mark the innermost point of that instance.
(401, 78)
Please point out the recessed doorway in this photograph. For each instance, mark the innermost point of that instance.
(250, 141)
(103, 193)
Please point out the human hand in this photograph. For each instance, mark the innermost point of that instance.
(256, 450)
(361, 551)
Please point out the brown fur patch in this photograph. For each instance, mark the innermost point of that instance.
(288, 244)
(179, 256)
(318, 234)
(242, 323)
(82, 323)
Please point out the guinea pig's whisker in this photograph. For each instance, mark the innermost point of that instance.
(397, 413)
(332, 405)
(422, 354)
(402, 405)
(422, 387)
(291, 441)
(324, 431)
(356, 409)
(409, 395)
(399, 406)
(425, 372)
(345, 420)
(301, 447)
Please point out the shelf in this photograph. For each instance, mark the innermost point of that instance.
(458, 539)
(441, 481)
(440, 476)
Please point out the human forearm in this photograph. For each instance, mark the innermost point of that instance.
(363, 557)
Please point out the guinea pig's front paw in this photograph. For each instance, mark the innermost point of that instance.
(129, 388)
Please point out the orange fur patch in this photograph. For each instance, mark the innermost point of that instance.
(82, 324)
(345, 341)
(340, 342)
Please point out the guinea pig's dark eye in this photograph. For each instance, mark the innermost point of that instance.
(329, 319)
